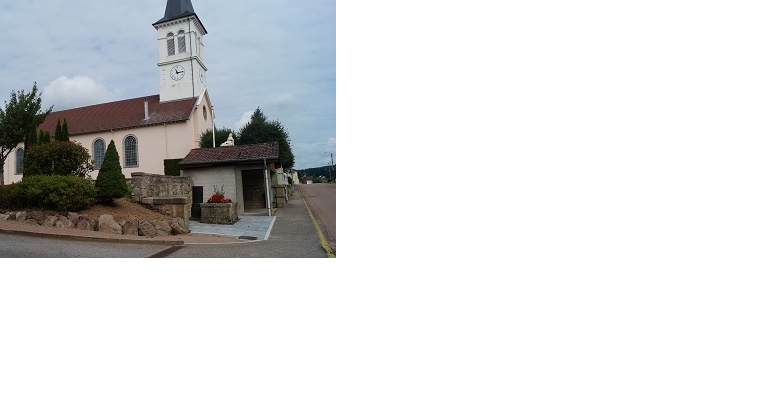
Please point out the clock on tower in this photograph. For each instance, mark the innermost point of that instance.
(182, 71)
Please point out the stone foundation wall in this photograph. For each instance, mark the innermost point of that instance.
(169, 195)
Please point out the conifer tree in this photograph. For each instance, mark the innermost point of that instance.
(58, 130)
(31, 139)
(65, 130)
(44, 137)
(110, 183)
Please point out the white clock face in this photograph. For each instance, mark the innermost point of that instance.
(177, 72)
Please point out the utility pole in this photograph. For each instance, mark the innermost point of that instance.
(213, 128)
(329, 170)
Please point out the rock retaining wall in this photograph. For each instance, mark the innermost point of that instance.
(104, 223)
(169, 195)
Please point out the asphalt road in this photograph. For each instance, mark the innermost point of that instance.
(321, 199)
(21, 246)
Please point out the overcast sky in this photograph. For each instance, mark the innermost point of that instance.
(277, 55)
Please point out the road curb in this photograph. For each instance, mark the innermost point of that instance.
(166, 242)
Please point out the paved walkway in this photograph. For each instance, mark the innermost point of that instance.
(246, 228)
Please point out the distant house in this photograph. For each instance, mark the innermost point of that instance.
(308, 179)
(246, 173)
(294, 176)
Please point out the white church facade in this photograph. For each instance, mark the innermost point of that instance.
(146, 130)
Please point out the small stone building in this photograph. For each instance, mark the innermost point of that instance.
(245, 173)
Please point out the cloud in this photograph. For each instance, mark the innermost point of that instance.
(282, 105)
(310, 155)
(278, 106)
(64, 93)
(243, 120)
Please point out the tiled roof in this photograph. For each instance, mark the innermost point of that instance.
(242, 154)
(124, 114)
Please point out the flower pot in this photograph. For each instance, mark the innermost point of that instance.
(219, 213)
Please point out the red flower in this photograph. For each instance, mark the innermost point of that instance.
(217, 198)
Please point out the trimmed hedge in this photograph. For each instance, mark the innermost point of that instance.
(58, 193)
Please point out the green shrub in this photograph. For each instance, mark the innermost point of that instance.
(111, 183)
(58, 193)
(171, 166)
(57, 158)
(8, 197)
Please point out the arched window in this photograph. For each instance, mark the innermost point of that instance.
(98, 152)
(170, 44)
(20, 161)
(181, 42)
(130, 151)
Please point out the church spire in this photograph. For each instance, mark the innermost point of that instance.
(177, 9)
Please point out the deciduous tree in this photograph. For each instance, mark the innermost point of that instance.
(220, 134)
(22, 115)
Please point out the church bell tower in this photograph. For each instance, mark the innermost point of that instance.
(181, 69)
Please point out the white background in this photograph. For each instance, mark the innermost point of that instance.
(554, 200)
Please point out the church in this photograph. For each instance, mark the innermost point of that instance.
(146, 130)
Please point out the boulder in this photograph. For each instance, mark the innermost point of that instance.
(132, 227)
(38, 216)
(106, 223)
(179, 227)
(63, 223)
(21, 216)
(84, 225)
(4, 217)
(50, 221)
(163, 228)
(146, 228)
